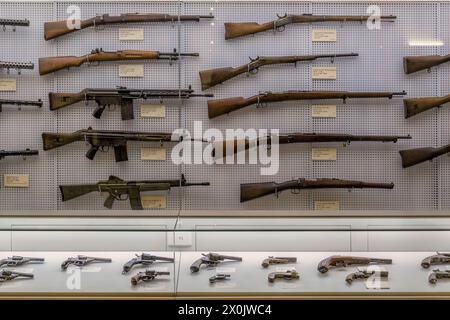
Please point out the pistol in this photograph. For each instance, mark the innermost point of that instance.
(211, 260)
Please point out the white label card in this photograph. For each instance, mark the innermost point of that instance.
(131, 34)
(323, 111)
(153, 154)
(324, 73)
(153, 111)
(8, 85)
(131, 70)
(16, 181)
(154, 202)
(324, 35)
(326, 205)
(324, 154)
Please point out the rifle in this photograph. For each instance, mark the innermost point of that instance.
(121, 96)
(438, 258)
(438, 274)
(122, 190)
(19, 66)
(238, 145)
(235, 30)
(413, 64)
(18, 261)
(103, 139)
(8, 275)
(80, 261)
(277, 260)
(219, 277)
(52, 64)
(211, 260)
(14, 23)
(219, 107)
(20, 103)
(147, 275)
(345, 261)
(213, 77)
(55, 29)
(286, 275)
(365, 274)
(145, 260)
(411, 157)
(419, 105)
(251, 191)
(22, 153)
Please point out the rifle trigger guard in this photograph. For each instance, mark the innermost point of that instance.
(104, 148)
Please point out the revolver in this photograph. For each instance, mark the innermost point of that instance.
(438, 258)
(277, 260)
(219, 277)
(344, 261)
(147, 275)
(287, 275)
(80, 261)
(211, 260)
(8, 275)
(18, 261)
(144, 259)
(437, 274)
(365, 274)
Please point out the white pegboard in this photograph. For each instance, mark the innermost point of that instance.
(378, 68)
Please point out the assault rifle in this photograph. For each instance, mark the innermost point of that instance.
(18, 261)
(52, 64)
(20, 103)
(411, 157)
(22, 153)
(145, 260)
(286, 275)
(437, 274)
(277, 260)
(19, 66)
(57, 29)
(14, 23)
(122, 190)
(220, 107)
(413, 64)
(80, 261)
(211, 260)
(345, 261)
(213, 77)
(365, 274)
(235, 30)
(250, 191)
(438, 258)
(229, 147)
(8, 275)
(147, 275)
(121, 96)
(104, 139)
(419, 105)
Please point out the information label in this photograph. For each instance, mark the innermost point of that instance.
(16, 181)
(324, 73)
(154, 154)
(131, 70)
(153, 111)
(326, 205)
(323, 111)
(324, 154)
(154, 202)
(131, 34)
(324, 35)
(8, 85)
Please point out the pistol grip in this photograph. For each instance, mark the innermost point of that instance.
(109, 202)
(195, 267)
(90, 154)
(98, 111)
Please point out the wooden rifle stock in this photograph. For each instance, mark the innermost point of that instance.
(419, 105)
(411, 157)
(413, 64)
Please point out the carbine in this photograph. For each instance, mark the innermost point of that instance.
(235, 30)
